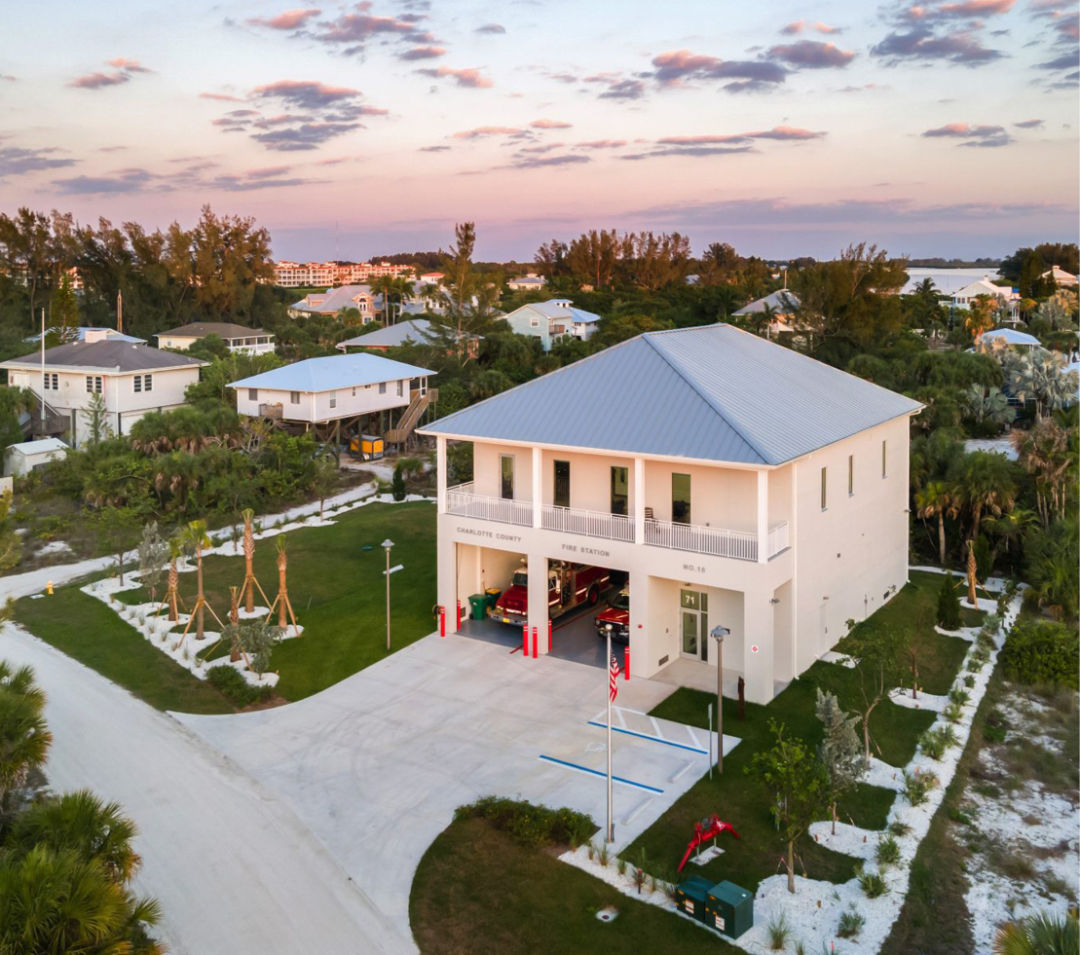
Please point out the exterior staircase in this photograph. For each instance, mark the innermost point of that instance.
(50, 425)
(410, 418)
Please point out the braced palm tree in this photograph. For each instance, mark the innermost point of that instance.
(195, 539)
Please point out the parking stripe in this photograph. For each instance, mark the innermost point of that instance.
(596, 772)
(655, 739)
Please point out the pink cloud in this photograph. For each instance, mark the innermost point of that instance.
(422, 53)
(129, 66)
(601, 144)
(95, 81)
(792, 29)
(471, 78)
(549, 124)
(221, 97)
(488, 131)
(825, 28)
(289, 20)
(976, 8)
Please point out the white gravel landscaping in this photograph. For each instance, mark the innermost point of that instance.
(813, 913)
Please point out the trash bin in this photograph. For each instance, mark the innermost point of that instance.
(492, 595)
(690, 896)
(729, 908)
(478, 602)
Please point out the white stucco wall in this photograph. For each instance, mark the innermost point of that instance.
(315, 406)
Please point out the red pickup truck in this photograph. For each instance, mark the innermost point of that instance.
(569, 586)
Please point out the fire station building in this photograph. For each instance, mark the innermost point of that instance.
(734, 482)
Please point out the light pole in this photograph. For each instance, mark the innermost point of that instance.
(718, 634)
(609, 830)
(387, 544)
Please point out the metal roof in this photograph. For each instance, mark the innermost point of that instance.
(1009, 336)
(39, 446)
(109, 334)
(413, 329)
(107, 355)
(333, 300)
(712, 393)
(782, 300)
(558, 308)
(331, 373)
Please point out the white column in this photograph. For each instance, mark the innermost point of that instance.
(537, 486)
(639, 500)
(758, 632)
(762, 516)
(538, 601)
(446, 578)
(440, 469)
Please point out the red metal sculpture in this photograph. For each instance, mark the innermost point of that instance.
(705, 830)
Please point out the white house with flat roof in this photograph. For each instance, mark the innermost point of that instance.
(552, 320)
(131, 379)
(735, 482)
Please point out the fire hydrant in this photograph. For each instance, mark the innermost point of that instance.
(49, 588)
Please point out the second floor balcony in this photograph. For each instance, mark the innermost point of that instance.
(673, 535)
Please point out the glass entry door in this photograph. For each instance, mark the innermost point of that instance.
(694, 628)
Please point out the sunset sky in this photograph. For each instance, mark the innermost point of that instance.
(945, 128)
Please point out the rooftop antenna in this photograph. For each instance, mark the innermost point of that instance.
(119, 311)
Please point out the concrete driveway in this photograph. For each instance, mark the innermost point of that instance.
(375, 765)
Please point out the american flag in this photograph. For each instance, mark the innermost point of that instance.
(613, 680)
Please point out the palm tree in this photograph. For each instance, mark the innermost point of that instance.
(195, 539)
(1039, 935)
(80, 822)
(1044, 452)
(983, 482)
(24, 735)
(937, 500)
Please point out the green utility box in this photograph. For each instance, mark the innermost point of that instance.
(478, 602)
(492, 594)
(729, 908)
(690, 896)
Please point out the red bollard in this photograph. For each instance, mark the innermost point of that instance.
(549, 634)
(525, 640)
(535, 641)
(626, 663)
(442, 621)
(459, 616)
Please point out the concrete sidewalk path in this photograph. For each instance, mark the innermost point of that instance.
(234, 869)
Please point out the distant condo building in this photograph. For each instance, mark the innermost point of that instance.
(330, 274)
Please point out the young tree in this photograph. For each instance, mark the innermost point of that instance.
(98, 423)
(936, 500)
(153, 555)
(257, 638)
(10, 542)
(195, 539)
(397, 486)
(24, 736)
(798, 784)
(948, 604)
(840, 751)
(875, 653)
(64, 310)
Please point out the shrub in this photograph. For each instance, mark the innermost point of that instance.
(1042, 652)
(531, 825)
(934, 742)
(898, 828)
(851, 924)
(958, 696)
(779, 931)
(888, 851)
(969, 681)
(918, 785)
(872, 884)
(397, 486)
(948, 605)
(232, 685)
(952, 712)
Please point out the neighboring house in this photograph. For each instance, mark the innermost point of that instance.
(999, 338)
(551, 320)
(963, 297)
(20, 459)
(238, 338)
(411, 331)
(783, 304)
(527, 283)
(131, 380)
(736, 482)
(335, 393)
(1062, 279)
(333, 300)
(92, 333)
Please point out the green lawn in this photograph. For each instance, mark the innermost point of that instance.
(84, 628)
(336, 587)
(478, 891)
(737, 799)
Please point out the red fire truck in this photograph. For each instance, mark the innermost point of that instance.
(569, 586)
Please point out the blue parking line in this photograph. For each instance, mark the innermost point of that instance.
(655, 739)
(596, 772)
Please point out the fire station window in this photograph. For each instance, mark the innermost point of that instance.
(620, 491)
(680, 498)
(294, 397)
(824, 489)
(562, 483)
(253, 394)
(507, 484)
(884, 460)
(850, 474)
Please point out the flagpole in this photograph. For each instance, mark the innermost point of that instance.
(610, 832)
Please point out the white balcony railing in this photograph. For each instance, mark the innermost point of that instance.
(719, 542)
(572, 520)
(778, 539)
(462, 501)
